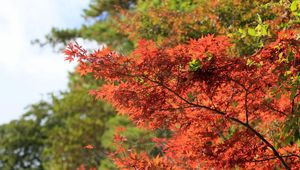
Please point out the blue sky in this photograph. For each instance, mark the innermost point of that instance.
(27, 72)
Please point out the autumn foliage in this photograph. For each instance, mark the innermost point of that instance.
(224, 111)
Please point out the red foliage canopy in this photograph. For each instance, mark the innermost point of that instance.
(224, 111)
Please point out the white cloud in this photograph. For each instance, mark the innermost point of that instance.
(28, 71)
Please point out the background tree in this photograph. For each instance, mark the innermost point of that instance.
(52, 134)
(100, 26)
(22, 141)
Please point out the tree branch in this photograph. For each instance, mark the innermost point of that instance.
(267, 159)
(246, 107)
(293, 102)
(260, 136)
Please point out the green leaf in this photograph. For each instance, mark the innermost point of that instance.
(287, 73)
(241, 31)
(277, 96)
(191, 96)
(264, 30)
(259, 19)
(234, 104)
(195, 65)
(294, 5)
(249, 62)
(298, 143)
(252, 32)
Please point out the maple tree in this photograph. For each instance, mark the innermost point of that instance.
(224, 110)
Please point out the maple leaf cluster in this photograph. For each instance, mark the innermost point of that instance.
(224, 111)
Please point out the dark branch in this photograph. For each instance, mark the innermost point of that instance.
(276, 153)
